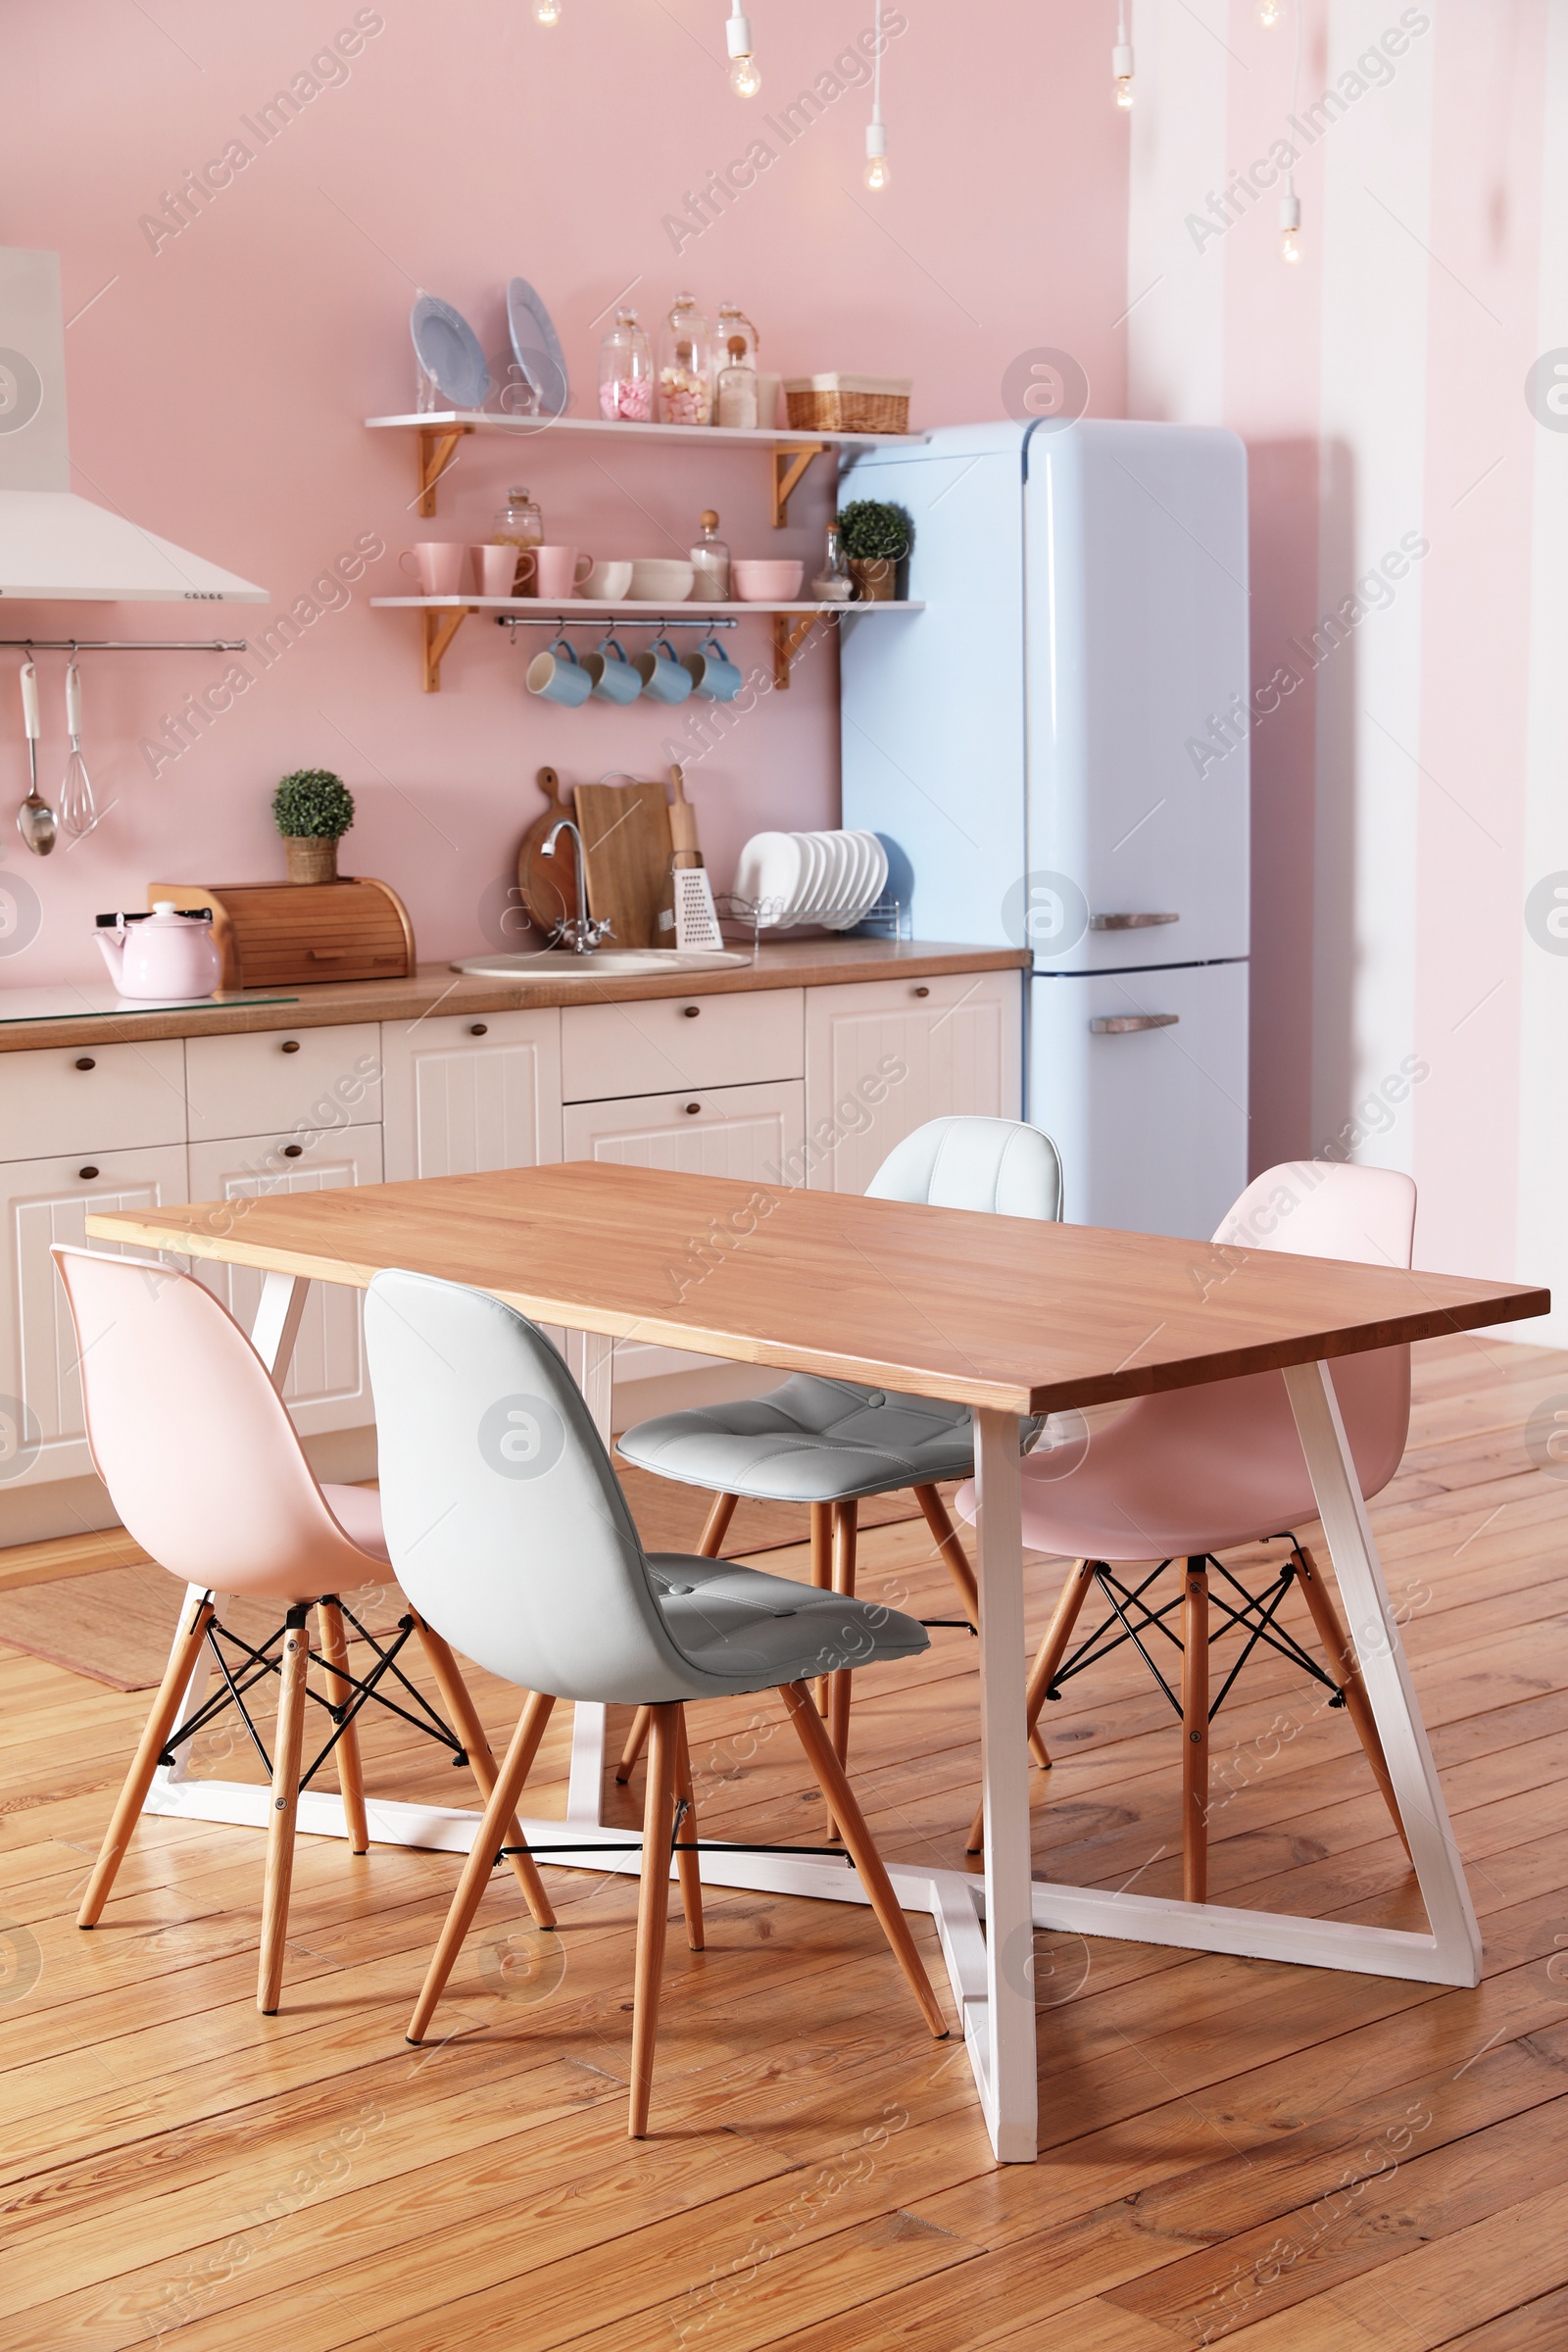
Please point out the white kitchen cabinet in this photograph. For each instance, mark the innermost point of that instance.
(43, 1202)
(466, 1093)
(746, 1132)
(307, 1080)
(659, 1043)
(327, 1385)
(93, 1100)
(883, 1056)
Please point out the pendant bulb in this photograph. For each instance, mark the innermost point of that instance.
(744, 78)
(877, 174)
(1290, 226)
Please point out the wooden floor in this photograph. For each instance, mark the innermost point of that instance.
(1232, 2148)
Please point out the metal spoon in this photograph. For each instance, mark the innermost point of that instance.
(35, 819)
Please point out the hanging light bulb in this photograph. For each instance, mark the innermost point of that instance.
(1290, 225)
(744, 77)
(878, 173)
(547, 12)
(1121, 61)
(1270, 13)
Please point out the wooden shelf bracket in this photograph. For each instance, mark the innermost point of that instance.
(789, 632)
(439, 630)
(789, 472)
(438, 445)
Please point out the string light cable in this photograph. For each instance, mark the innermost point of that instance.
(1290, 201)
(876, 137)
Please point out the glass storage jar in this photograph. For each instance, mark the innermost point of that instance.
(627, 372)
(685, 378)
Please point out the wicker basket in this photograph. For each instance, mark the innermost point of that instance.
(848, 404)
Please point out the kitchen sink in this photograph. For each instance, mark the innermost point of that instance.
(604, 963)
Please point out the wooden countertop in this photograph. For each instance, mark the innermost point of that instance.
(435, 987)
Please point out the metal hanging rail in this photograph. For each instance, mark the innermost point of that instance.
(610, 623)
(129, 645)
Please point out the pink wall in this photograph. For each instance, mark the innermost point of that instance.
(218, 383)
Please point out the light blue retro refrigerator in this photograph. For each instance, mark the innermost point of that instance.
(1056, 752)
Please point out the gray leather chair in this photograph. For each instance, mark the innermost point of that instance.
(827, 1442)
(508, 1529)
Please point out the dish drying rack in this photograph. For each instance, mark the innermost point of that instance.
(751, 915)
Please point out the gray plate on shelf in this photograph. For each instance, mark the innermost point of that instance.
(537, 347)
(447, 350)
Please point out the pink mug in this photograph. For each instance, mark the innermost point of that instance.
(439, 564)
(558, 571)
(495, 568)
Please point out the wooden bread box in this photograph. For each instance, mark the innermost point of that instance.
(287, 934)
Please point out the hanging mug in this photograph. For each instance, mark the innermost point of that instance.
(614, 679)
(559, 676)
(713, 673)
(664, 679)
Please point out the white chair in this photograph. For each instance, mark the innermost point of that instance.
(828, 1443)
(202, 1462)
(509, 1531)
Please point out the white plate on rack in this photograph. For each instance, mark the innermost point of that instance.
(447, 350)
(812, 893)
(768, 876)
(855, 866)
(537, 347)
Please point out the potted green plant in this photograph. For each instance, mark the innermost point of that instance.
(312, 809)
(876, 539)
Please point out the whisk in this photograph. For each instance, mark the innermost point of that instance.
(78, 810)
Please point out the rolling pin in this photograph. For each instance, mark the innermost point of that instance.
(683, 823)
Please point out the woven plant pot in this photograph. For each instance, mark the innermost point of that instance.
(311, 858)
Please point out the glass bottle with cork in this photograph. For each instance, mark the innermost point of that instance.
(735, 359)
(709, 562)
(521, 524)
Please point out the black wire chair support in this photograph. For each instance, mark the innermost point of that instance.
(1258, 1615)
(253, 1666)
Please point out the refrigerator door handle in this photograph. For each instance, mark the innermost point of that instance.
(1123, 1025)
(1129, 923)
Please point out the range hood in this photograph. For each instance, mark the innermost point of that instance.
(54, 545)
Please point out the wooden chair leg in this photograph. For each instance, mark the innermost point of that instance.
(955, 1557)
(287, 1742)
(1195, 1732)
(715, 1527)
(340, 1691)
(846, 1519)
(653, 1909)
(1342, 1662)
(183, 1659)
(492, 1836)
(823, 1760)
(1047, 1658)
(690, 1865)
(463, 1717)
(822, 1572)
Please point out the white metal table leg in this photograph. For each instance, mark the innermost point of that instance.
(278, 1322)
(1381, 1655)
(590, 1359)
(1007, 2068)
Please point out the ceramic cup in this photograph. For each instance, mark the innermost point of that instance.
(558, 571)
(713, 673)
(494, 568)
(614, 679)
(559, 676)
(663, 679)
(438, 563)
(609, 582)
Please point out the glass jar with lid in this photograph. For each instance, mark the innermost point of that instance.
(627, 372)
(685, 364)
(521, 524)
(735, 383)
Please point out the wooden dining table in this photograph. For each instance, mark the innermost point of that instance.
(1012, 1318)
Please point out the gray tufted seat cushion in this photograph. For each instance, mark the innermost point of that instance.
(809, 1441)
(742, 1623)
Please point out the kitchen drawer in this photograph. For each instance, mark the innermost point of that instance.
(883, 1056)
(309, 1080)
(101, 1098)
(668, 1041)
(464, 1092)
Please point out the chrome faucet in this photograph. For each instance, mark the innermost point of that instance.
(581, 932)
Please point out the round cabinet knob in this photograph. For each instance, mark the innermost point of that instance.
(691, 1011)
(87, 1173)
(290, 1044)
(86, 1062)
(292, 1151)
(479, 1029)
(694, 1107)
(920, 992)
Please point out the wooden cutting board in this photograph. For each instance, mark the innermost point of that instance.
(626, 836)
(548, 886)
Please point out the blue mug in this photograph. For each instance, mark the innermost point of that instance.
(663, 679)
(713, 673)
(559, 680)
(614, 679)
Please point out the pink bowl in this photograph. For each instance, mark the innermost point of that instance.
(766, 580)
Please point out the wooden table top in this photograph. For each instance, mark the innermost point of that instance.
(983, 1310)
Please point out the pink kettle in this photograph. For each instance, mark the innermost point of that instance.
(168, 954)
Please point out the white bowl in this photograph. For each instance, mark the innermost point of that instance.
(609, 582)
(662, 580)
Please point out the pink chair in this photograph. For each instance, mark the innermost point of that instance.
(202, 1462)
(1183, 1475)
